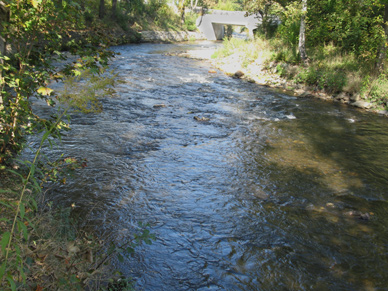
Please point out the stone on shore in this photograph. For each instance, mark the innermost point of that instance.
(362, 104)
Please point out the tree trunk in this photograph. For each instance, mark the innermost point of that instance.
(114, 9)
(101, 11)
(382, 54)
(4, 18)
(193, 6)
(302, 33)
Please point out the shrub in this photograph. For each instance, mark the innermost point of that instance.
(378, 90)
(332, 81)
(190, 21)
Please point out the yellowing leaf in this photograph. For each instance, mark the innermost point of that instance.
(45, 91)
(77, 72)
(34, 3)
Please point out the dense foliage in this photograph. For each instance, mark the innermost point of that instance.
(33, 33)
(355, 26)
(330, 45)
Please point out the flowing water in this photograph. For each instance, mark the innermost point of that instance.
(244, 187)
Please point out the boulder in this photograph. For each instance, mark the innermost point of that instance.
(342, 96)
(361, 104)
(239, 74)
(355, 97)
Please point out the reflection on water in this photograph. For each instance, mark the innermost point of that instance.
(260, 191)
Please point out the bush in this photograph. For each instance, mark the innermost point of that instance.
(308, 76)
(190, 21)
(377, 91)
(332, 81)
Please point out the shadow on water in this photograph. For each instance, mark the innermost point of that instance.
(326, 170)
(245, 188)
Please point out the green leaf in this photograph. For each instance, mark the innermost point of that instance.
(32, 170)
(22, 274)
(22, 209)
(77, 73)
(11, 282)
(4, 241)
(6, 204)
(36, 185)
(16, 173)
(34, 204)
(23, 228)
(45, 136)
(25, 231)
(2, 270)
(120, 258)
(17, 251)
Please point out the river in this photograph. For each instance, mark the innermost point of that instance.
(244, 187)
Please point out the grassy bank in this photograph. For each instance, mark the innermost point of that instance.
(330, 74)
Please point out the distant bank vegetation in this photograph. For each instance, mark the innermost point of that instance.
(345, 45)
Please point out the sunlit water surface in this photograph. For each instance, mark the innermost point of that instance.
(257, 197)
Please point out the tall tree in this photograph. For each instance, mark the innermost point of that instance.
(4, 18)
(302, 33)
(101, 10)
(266, 9)
(192, 5)
(181, 8)
(114, 9)
(382, 54)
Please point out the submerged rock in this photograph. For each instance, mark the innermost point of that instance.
(159, 106)
(201, 118)
(358, 214)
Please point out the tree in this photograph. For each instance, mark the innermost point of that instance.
(382, 54)
(302, 33)
(35, 32)
(181, 8)
(267, 9)
(4, 18)
(114, 9)
(192, 5)
(101, 10)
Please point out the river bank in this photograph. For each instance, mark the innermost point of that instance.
(267, 75)
(170, 36)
